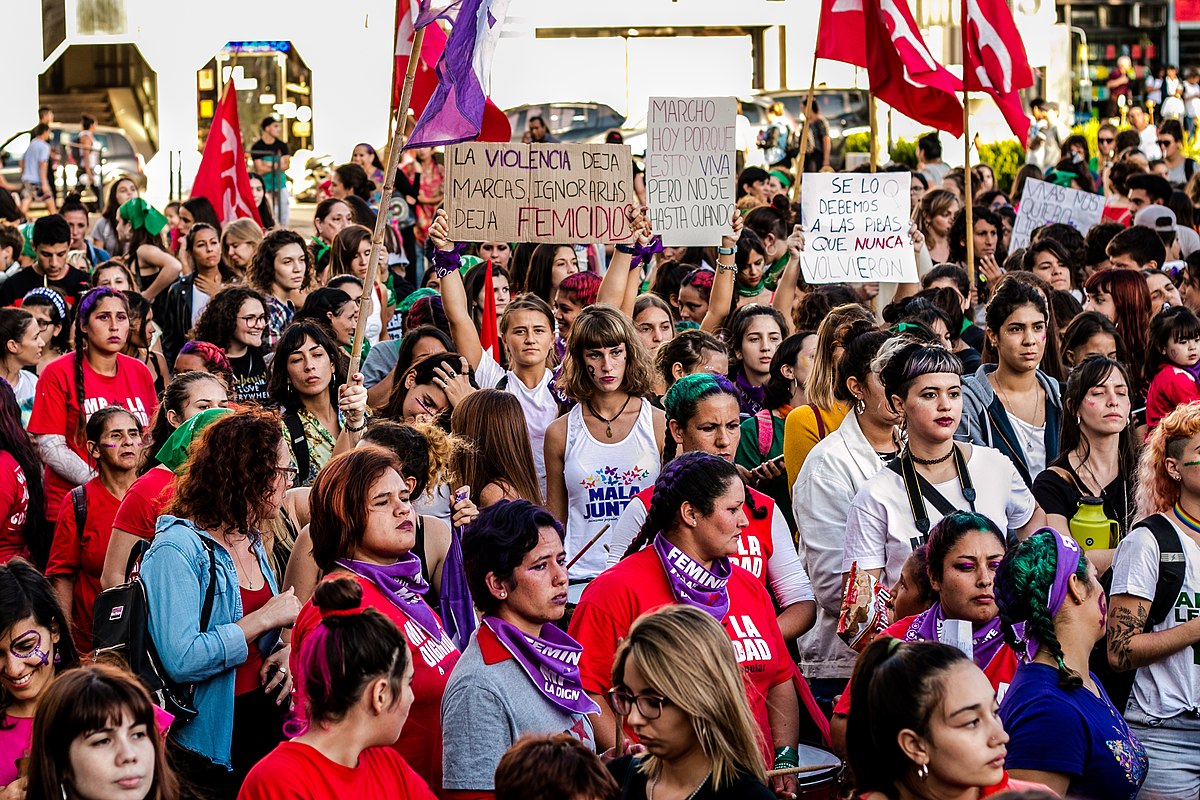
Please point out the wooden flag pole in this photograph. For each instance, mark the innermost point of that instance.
(871, 115)
(805, 132)
(967, 201)
(385, 201)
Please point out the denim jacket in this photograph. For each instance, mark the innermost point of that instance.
(175, 573)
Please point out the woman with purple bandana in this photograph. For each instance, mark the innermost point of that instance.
(1063, 730)
(519, 674)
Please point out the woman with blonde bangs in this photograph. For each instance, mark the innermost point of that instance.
(239, 240)
(821, 416)
(677, 684)
(608, 447)
(496, 463)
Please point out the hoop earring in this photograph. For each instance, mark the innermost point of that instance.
(860, 406)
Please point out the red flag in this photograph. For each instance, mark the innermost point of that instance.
(222, 177)
(496, 127)
(840, 32)
(996, 59)
(489, 334)
(903, 72)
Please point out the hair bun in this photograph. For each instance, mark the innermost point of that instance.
(337, 594)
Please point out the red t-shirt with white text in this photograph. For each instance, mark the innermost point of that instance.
(14, 508)
(83, 558)
(297, 771)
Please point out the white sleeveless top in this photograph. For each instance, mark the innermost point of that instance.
(601, 479)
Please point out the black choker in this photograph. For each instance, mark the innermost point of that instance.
(932, 461)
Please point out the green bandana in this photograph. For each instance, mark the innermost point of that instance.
(405, 305)
(319, 248)
(27, 234)
(174, 452)
(1061, 178)
(140, 214)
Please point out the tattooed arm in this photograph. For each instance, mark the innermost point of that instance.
(1129, 647)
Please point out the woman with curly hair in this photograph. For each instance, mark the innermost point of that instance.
(597, 461)
(209, 541)
(282, 271)
(234, 320)
(1063, 730)
(75, 386)
(1159, 642)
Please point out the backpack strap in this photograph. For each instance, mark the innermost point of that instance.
(766, 431)
(1189, 166)
(211, 592)
(295, 429)
(1172, 565)
(821, 433)
(79, 501)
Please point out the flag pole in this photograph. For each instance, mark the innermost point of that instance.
(804, 131)
(385, 201)
(967, 201)
(874, 150)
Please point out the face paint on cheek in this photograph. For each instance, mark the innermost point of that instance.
(35, 649)
(1191, 463)
(1103, 609)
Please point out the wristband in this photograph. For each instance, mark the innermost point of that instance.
(642, 253)
(627, 249)
(360, 428)
(786, 758)
(447, 261)
(726, 251)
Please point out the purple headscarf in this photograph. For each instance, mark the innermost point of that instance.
(1066, 563)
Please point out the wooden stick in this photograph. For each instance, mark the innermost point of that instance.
(385, 199)
(874, 120)
(587, 546)
(771, 773)
(805, 131)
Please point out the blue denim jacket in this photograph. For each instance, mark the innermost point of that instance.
(175, 572)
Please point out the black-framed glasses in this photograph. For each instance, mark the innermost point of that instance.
(650, 706)
(1165, 142)
(290, 471)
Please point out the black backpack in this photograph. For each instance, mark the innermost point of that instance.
(120, 627)
(1172, 567)
(295, 429)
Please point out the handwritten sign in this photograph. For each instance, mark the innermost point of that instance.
(690, 168)
(856, 228)
(1043, 202)
(501, 192)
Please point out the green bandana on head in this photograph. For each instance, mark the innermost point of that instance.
(174, 452)
(140, 214)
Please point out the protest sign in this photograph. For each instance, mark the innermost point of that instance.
(690, 168)
(1043, 202)
(856, 228)
(539, 192)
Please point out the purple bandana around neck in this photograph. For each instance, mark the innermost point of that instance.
(986, 641)
(691, 583)
(1066, 562)
(402, 584)
(551, 661)
(754, 396)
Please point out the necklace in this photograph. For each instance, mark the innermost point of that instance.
(932, 461)
(696, 791)
(241, 568)
(609, 422)
(1039, 405)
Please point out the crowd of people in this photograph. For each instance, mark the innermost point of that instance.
(692, 527)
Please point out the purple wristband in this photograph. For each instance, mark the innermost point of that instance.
(447, 261)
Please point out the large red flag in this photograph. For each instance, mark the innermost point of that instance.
(489, 334)
(840, 34)
(903, 72)
(222, 176)
(996, 59)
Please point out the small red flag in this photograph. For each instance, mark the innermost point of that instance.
(996, 60)
(840, 32)
(489, 333)
(222, 177)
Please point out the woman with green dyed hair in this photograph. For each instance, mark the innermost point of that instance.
(1064, 731)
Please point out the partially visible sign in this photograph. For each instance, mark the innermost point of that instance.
(1043, 202)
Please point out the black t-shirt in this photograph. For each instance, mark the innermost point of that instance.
(73, 284)
(1057, 495)
(633, 784)
(272, 153)
(814, 159)
(249, 378)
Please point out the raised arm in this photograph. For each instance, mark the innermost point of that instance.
(169, 269)
(454, 295)
(617, 277)
(785, 290)
(721, 296)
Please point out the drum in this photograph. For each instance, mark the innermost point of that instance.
(821, 783)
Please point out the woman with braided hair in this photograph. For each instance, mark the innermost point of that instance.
(76, 385)
(1063, 730)
(702, 415)
(695, 518)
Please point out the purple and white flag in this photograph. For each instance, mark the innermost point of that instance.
(455, 112)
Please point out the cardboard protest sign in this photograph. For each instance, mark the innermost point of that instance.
(856, 228)
(690, 168)
(1043, 202)
(501, 192)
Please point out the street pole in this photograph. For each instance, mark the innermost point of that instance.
(805, 131)
(874, 149)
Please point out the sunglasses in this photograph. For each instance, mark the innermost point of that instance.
(1106, 139)
(1164, 142)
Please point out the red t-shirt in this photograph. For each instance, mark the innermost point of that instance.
(14, 507)
(1117, 214)
(1000, 671)
(639, 585)
(755, 545)
(296, 771)
(56, 410)
(146, 499)
(1170, 388)
(83, 559)
(421, 741)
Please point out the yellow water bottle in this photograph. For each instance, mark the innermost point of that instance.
(1090, 527)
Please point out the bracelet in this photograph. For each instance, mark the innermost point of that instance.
(786, 758)
(447, 261)
(626, 249)
(726, 251)
(360, 428)
(726, 267)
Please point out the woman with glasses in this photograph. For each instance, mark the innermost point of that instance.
(234, 320)
(499, 692)
(693, 526)
(85, 521)
(209, 541)
(676, 683)
(50, 310)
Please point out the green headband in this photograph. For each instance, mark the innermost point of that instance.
(140, 214)
(783, 177)
(405, 305)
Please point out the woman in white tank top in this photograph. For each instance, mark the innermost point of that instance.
(608, 448)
